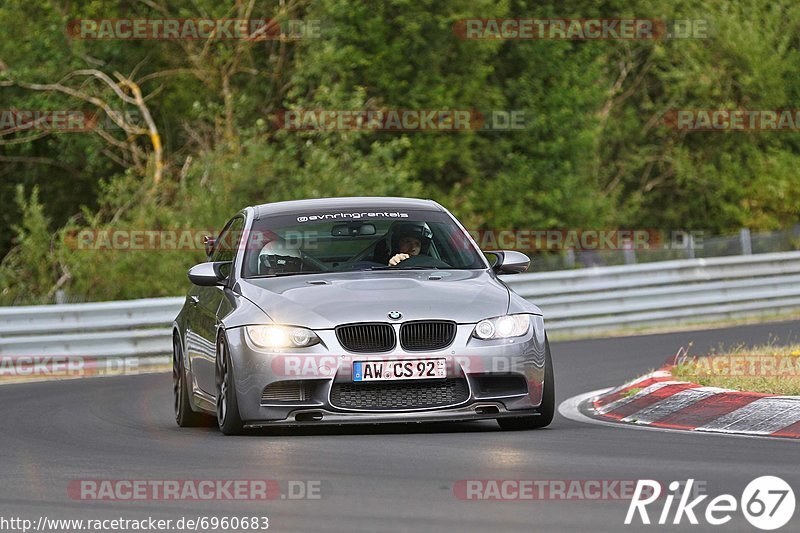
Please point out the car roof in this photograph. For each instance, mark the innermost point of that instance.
(355, 202)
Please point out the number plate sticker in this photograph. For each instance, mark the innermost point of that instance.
(399, 369)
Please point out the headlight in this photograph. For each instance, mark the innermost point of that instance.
(502, 327)
(281, 336)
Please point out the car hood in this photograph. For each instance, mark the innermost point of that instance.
(322, 301)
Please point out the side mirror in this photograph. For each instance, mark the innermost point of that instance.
(209, 274)
(209, 243)
(508, 261)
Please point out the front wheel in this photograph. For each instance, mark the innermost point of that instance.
(228, 419)
(546, 409)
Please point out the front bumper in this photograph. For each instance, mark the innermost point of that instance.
(315, 417)
(324, 365)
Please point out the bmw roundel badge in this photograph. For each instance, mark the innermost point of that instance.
(395, 315)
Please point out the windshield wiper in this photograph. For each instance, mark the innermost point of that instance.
(401, 268)
(279, 274)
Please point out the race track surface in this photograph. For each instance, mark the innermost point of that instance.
(384, 478)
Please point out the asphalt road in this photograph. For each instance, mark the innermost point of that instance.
(387, 478)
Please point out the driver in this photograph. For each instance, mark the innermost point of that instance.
(408, 241)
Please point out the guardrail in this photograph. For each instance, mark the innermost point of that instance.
(573, 301)
(664, 293)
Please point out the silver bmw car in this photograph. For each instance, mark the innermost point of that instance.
(357, 310)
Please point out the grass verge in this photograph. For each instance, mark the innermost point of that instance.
(674, 327)
(768, 368)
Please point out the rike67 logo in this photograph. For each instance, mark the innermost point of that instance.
(767, 502)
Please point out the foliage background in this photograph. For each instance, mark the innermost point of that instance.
(595, 152)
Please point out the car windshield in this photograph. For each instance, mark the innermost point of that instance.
(347, 241)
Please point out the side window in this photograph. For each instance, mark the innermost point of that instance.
(228, 242)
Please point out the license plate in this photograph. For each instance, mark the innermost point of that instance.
(400, 369)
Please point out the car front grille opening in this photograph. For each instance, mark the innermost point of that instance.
(427, 335)
(399, 396)
(296, 391)
(366, 338)
(500, 385)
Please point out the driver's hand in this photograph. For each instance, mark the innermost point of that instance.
(397, 258)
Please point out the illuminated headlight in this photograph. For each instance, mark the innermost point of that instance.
(502, 327)
(281, 336)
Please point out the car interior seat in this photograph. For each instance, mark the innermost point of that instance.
(381, 254)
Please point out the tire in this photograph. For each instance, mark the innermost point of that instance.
(228, 419)
(184, 415)
(546, 409)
